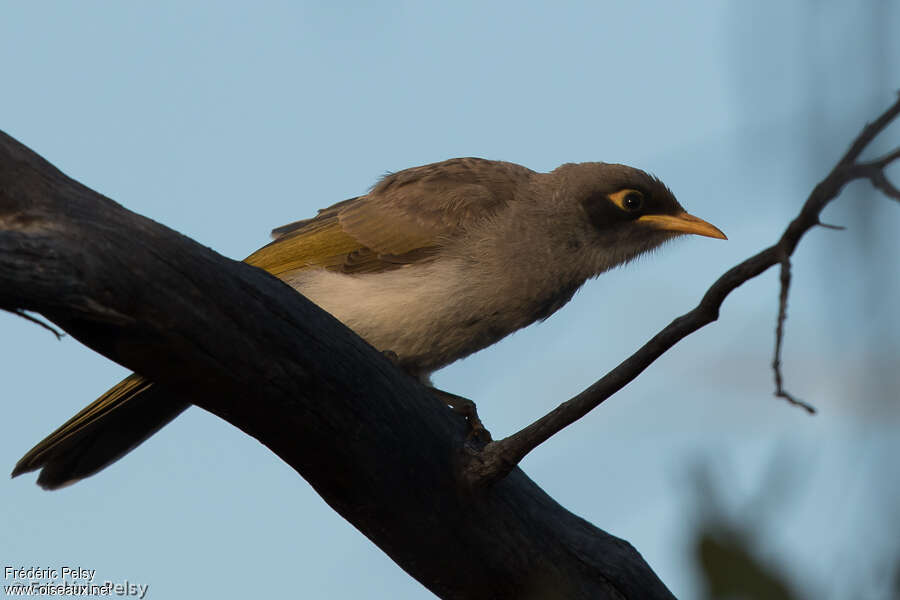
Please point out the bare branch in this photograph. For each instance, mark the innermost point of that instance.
(785, 287)
(830, 226)
(885, 160)
(869, 133)
(874, 171)
(500, 456)
(21, 313)
(880, 181)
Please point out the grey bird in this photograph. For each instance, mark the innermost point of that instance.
(434, 263)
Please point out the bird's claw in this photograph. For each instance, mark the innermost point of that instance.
(465, 407)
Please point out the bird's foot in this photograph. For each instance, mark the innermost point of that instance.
(477, 431)
(460, 405)
(466, 408)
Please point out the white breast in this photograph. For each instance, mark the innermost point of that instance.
(419, 312)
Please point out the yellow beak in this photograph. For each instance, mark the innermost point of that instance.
(682, 223)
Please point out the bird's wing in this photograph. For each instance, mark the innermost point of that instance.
(405, 219)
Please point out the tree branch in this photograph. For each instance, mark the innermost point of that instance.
(497, 458)
(780, 392)
(874, 171)
(373, 442)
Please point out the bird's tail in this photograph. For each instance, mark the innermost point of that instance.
(103, 432)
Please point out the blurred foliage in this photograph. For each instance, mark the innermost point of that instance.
(732, 568)
(732, 549)
(741, 553)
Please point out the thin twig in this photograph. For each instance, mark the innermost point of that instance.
(20, 312)
(869, 133)
(830, 226)
(780, 392)
(885, 160)
(873, 170)
(880, 181)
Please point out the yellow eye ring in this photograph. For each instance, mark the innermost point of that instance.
(628, 200)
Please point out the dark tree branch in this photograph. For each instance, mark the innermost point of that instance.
(780, 392)
(880, 181)
(497, 458)
(869, 133)
(373, 442)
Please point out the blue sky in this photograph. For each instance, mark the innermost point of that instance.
(223, 120)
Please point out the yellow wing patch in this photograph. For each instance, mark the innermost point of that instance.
(405, 219)
(323, 245)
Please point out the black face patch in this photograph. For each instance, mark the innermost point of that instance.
(603, 213)
(615, 195)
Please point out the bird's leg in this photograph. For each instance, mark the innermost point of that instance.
(460, 405)
(466, 408)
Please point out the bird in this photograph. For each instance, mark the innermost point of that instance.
(431, 265)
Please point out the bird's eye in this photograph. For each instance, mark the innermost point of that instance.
(633, 201)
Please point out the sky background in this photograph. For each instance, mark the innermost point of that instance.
(223, 120)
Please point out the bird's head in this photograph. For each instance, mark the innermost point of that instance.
(620, 212)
